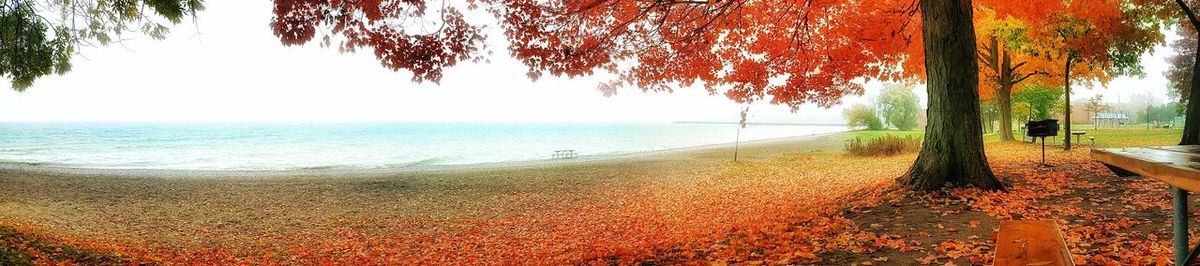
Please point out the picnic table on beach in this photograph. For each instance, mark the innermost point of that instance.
(564, 154)
(1178, 166)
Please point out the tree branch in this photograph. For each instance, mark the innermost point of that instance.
(1188, 11)
(1027, 76)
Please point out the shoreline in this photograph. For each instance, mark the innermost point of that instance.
(17, 167)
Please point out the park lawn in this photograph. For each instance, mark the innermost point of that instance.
(1129, 136)
(871, 134)
(782, 203)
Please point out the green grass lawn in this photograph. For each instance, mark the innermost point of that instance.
(1131, 136)
(1128, 136)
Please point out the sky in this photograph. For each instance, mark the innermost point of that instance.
(227, 66)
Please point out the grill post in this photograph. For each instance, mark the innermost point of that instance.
(1042, 129)
(1043, 151)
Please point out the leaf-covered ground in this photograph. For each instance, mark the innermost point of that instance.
(784, 203)
(1107, 220)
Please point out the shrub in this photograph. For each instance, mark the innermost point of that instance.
(886, 145)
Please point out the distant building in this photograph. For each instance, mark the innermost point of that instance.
(1079, 113)
(1111, 119)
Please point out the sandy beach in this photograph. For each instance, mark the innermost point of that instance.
(603, 205)
(750, 149)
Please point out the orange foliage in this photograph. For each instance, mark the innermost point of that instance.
(372, 24)
(1105, 38)
(789, 52)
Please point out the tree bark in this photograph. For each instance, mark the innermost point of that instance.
(1067, 104)
(1191, 122)
(1004, 94)
(1004, 101)
(952, 154)
(1000, 63)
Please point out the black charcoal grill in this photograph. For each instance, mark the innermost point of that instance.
(1042, 129)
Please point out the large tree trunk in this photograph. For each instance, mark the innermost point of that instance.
(1067, 104)
(952, 154)
(1191, 124)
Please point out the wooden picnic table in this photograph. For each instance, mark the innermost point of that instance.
(1178, 166)
(1078, 135)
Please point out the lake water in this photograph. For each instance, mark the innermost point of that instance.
(277, 146)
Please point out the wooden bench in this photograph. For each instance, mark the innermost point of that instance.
(1031, 243)
(1178, 166)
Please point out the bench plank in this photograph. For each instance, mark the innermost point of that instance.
(1193, 149)
(1031, 243)
(1178, 166)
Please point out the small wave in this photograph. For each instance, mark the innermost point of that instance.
(417, 163)
(23, 151)
(324, 167)
(425, 162)
(19, 163)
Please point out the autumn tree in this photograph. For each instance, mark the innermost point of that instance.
(952, 153)
(786, 52)
(1095, 40)
(1004, 69)
(1180, 64)
(39, 38)
(1182, 76)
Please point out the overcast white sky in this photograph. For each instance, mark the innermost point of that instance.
(236, 70)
